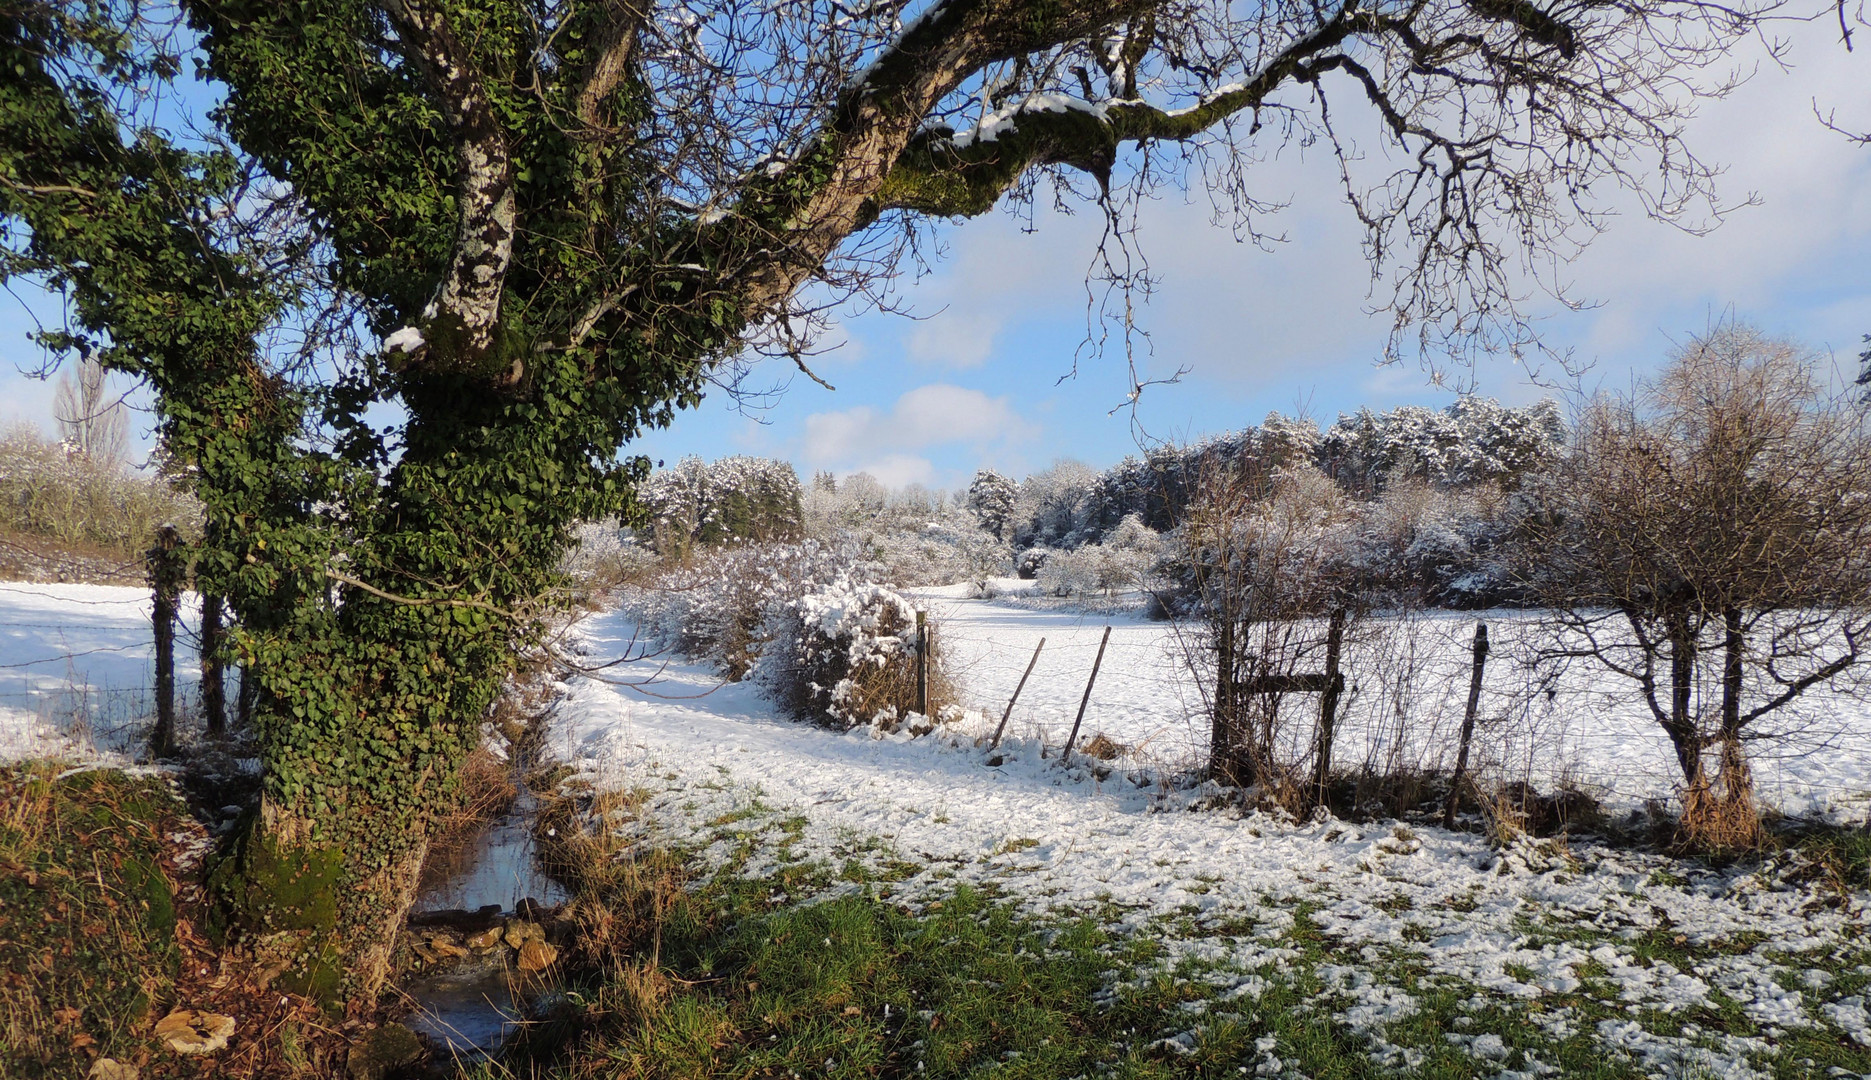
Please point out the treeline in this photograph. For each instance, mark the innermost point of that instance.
(733, 498)
(1472, 442)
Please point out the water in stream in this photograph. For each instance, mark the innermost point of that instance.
(470, 1007)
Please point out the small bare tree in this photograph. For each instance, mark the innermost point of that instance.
(1710, 540)
(90, 420)
(1262, 549)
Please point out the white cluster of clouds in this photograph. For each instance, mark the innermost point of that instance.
(890, 443)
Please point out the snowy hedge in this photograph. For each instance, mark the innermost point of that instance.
(717, 606)
(846, 654)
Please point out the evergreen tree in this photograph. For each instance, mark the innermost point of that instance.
(991, 498)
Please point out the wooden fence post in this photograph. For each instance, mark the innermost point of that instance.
(1016, 695)
(922, 665)
(1328, 704)
(1224, 727)
(1468, 724)
(1086, 700)
(213, 688)
(165, 580)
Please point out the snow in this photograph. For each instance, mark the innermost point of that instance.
(992, 125)
(407, 339)
(1589, 732)
(1525, 924)
(76, 669)
(1531, 926)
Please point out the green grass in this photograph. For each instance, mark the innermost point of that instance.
(744, 976)
(87, 915)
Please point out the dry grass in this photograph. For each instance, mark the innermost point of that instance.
(93, 508)
(622, 896)
(1720, 819)
(487, 791)
(88, 932)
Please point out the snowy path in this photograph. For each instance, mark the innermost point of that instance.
(718, 767)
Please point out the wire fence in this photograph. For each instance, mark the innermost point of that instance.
(1541, 724)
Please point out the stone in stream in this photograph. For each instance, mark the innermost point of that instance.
(521, 931)
(536, 955)
(486, 939)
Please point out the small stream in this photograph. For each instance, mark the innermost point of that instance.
(471, 1003)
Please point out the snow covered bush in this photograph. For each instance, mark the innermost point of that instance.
(846, 654)
(716, 607)
(606, 555)
(1124, 561)
(942, 552)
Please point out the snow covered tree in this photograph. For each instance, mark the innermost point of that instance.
(529, 231)
(991, 498)
(734, 498)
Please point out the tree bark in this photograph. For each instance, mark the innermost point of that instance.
(1682, 725)
(213, 686)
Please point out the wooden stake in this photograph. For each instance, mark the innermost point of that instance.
(1086, 700)
(213, 686)
(1334, 684)
(922, 665)
(1016, 695)
(1468, 724)
(165, 581)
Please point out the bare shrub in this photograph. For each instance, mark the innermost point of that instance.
(78, 501)
(1709, 540)
(1259, 552)
(606, 556)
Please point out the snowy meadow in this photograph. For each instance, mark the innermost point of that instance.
(1438, 951)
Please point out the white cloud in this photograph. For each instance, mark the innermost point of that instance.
(901, 470)
(928, 417)
(953, 340)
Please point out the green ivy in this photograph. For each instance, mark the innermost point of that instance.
(383, 582)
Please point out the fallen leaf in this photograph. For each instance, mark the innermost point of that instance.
(188, 1032)
(111, 1069)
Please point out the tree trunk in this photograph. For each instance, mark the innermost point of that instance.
(213, 688)
(1682, 725)
(1731, 674)
(1224, 738)
(165, 580)
(324, 913)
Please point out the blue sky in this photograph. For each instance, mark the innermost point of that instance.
(974, 380)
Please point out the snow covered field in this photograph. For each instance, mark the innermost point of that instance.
(1681, 969)
(77, 668)
(1673, 968)
(1590, 730)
